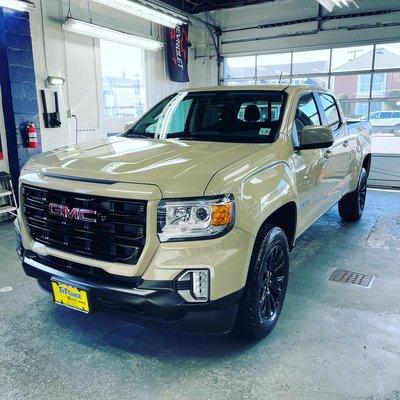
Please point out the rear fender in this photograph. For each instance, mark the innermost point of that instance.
(363, 149)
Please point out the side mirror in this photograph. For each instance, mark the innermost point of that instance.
(315, 137)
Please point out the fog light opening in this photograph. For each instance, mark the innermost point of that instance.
(194, 285)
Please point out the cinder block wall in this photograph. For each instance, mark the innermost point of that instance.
(17, 79)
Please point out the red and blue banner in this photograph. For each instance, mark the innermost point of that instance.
(177, 52)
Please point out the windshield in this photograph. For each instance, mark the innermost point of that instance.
(234, 116)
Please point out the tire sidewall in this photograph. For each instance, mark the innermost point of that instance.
(361, 182)
(249, 309)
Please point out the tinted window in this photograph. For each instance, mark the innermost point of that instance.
(307, 112)
(179, 118)
(237, 116)
(331, 111)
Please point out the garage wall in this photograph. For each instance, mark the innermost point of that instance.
(304, 35)
(4, 161)
(76, 58)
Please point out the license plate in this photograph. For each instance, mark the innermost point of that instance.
(70, 296)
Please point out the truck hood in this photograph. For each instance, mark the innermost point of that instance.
(177, 167)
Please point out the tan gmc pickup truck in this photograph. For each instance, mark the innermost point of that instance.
(186, 220)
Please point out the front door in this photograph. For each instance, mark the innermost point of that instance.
(338, 166)
(310, 165)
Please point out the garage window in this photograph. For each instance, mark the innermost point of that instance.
(123, 80)
(306, 62)
(365, 79)
(240, 70)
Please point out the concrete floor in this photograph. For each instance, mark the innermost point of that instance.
(333, 341)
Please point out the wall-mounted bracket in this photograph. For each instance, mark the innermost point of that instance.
(51, 120)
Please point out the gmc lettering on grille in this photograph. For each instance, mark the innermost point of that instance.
(79, 214)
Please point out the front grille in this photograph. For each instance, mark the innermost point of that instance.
(118, 235)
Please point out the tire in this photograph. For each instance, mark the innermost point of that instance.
(264, 293)
(351, 206)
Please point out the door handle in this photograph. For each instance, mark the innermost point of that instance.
(327, 154)
(346, 143)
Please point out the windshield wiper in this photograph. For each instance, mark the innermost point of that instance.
(137, 136)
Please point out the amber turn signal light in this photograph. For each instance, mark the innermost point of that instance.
(221, 214)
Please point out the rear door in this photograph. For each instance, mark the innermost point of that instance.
(338, 168)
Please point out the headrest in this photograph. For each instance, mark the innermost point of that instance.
(252, 113)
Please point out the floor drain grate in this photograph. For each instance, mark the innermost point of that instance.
(352, 278)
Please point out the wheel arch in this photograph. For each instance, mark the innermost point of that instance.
(285, 217)
(367, 163)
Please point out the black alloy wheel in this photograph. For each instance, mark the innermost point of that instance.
(263, 296)
(271, 283)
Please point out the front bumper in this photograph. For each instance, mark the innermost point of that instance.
(150, 303)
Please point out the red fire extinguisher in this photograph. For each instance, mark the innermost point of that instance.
(32, 136)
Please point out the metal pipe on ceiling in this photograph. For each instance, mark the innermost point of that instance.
(317, 19)
(313, 32)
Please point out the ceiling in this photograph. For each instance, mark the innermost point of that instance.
(196, 6)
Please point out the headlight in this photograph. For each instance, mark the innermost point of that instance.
(201, 218)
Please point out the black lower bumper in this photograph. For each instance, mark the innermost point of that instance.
(150, 303)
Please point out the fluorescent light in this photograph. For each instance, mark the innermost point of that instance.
(143, 11)
(338, 3)
(101, 32)
(329, 4)
(18, 5)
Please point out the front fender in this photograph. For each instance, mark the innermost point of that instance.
(258, 191)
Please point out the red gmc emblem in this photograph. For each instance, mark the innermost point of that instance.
(80, 214)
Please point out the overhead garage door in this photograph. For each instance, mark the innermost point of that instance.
(385, 170)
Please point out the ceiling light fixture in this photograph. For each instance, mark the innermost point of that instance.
(101, 32)
(330, 4)
(143, 11)
(18, 5)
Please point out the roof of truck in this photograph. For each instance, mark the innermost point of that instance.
(277, 87)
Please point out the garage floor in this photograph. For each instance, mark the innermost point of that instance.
(333, 341)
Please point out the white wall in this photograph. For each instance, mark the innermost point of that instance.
(76, 58)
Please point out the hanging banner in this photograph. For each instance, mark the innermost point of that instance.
(177, 55)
